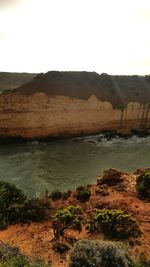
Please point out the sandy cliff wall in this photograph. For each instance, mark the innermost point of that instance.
(40, 115)
(32, 112)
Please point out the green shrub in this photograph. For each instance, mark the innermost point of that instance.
(10, 196)
(55, 195)
(15, 207)
(12, 257)
(113, 223)
(33, 210)
(141, 264)
(142, 260)
(88, 253)
(143, 185)
(83, 193)
(64, 218)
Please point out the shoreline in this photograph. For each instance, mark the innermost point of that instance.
(111, 134)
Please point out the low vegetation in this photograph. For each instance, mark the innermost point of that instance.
(64, 218)
(33, 210)
(113, 223)
(143, 185)
(12, 257)
(88, 253)
(16, 207)
(55, 195)
(9, 195)
(83, 193)
(141, 263)
(10, 198)
(66, 195)
(60, 247)
(142, 260)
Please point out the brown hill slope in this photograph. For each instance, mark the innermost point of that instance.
(117, 90)
(10, 80)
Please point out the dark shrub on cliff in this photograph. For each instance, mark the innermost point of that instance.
(33, 210)
(143, 185)
(66, 195)
(15, 207)
(60, 247)
(83, 193)
(88, 253)
(55, 195)
(10, 196)
(114, 224)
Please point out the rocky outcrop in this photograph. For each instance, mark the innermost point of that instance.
(75, 103)
(110, 177)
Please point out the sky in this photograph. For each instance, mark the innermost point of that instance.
(105, 36)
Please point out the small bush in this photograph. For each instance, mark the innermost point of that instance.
(60, 247)
(66, 195)
(87, 253)
(142, 260)
(83, 193)
(55, 195)
(114, 223)
(15, 207)
(10, 196)
(141, 264)
(33, 210)
(64, 218)
(143, 185)
(12, 257)
(102, 190)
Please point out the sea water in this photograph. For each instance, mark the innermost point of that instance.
(37, 167)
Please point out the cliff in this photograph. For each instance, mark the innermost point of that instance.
(75, 103)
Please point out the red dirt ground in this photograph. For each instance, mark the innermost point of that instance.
(35, 239)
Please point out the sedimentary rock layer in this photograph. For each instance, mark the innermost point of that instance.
(75, 103)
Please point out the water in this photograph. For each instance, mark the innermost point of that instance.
(36, 167)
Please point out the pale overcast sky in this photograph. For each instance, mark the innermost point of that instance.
(111, 36)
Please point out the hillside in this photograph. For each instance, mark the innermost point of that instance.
(12, 80)
(36, 239)
(117, 90)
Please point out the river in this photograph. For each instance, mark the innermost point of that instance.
(47, 166)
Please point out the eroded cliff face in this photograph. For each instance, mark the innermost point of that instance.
(40, 115)
(43, 108)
